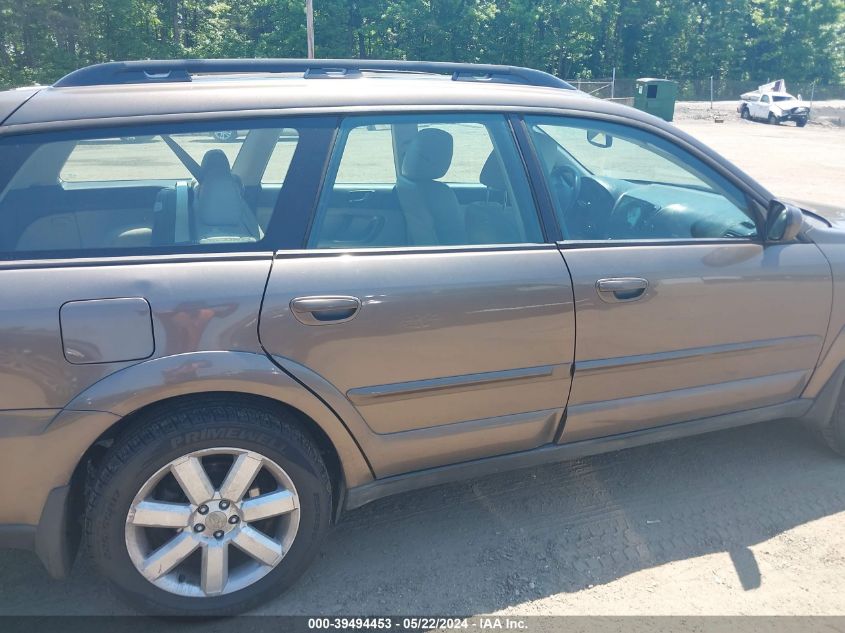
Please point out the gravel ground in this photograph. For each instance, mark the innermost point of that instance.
(747, 521)
(804, 164)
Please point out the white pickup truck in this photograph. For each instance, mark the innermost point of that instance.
(771, 103)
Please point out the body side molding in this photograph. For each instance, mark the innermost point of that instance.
(402, 390)
(728, 349)
(550, 453)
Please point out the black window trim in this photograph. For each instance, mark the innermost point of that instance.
(536, 179)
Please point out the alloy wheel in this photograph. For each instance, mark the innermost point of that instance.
(212, 522)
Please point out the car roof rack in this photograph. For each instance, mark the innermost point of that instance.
(181, 70)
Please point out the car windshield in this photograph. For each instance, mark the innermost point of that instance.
(782, 97)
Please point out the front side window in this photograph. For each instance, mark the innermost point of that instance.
(176, 186)
(612, 182)
(425, 180)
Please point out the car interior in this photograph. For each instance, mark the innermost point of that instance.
(427, 198)
(636, 191)
(67, 195)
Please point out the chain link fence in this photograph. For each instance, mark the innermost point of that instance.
(623, 89)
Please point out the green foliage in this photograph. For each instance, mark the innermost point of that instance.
(754, 40)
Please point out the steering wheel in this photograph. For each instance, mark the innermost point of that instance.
(566, 182)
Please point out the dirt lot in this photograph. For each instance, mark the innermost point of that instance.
(748, 521)
(805, 164)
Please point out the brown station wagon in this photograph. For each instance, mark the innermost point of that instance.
(397, 274)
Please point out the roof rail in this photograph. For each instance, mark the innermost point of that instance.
(164, 71)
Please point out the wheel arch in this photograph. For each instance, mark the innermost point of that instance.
(130, 391)
(324, 443)
(113, 405)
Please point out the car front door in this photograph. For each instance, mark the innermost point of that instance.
(683, 310)
(428, 308)
(761, 107)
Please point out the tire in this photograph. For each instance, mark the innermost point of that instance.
(745, 114)
(226, 136)
(772, 119)
(833, 433)
(801, 122)
(218, 435)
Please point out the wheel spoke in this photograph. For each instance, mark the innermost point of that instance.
(258, 545)
(215, 568)
(166, 557)
(269, 505)
(240, 476)
(220, 511)
(195, 483)
(160, 514)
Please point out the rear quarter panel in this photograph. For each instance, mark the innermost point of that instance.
(196, 305)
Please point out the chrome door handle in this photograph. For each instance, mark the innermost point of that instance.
(325, 310)
(618, 289)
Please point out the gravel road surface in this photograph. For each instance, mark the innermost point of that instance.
(805, 164)
(747, 521)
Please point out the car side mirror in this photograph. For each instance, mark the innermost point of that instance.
(783, 222)
(599, 139)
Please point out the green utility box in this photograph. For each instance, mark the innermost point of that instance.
(657, 97)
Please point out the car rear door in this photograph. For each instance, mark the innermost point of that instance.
(683, 310)
(442, 329)
(94, 275)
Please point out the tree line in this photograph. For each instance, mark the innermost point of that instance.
(754, 40)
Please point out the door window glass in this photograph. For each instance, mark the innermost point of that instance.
(612, 182)
(471, 147)
(368, 156)
(425, 180)
(281, 157)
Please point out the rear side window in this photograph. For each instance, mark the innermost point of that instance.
(425, 180)
(143, 157)
(163, 188)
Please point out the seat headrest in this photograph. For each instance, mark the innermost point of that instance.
(491, 175)
(215, 164)
(219, 200)
(429, 155)
(548, 149)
